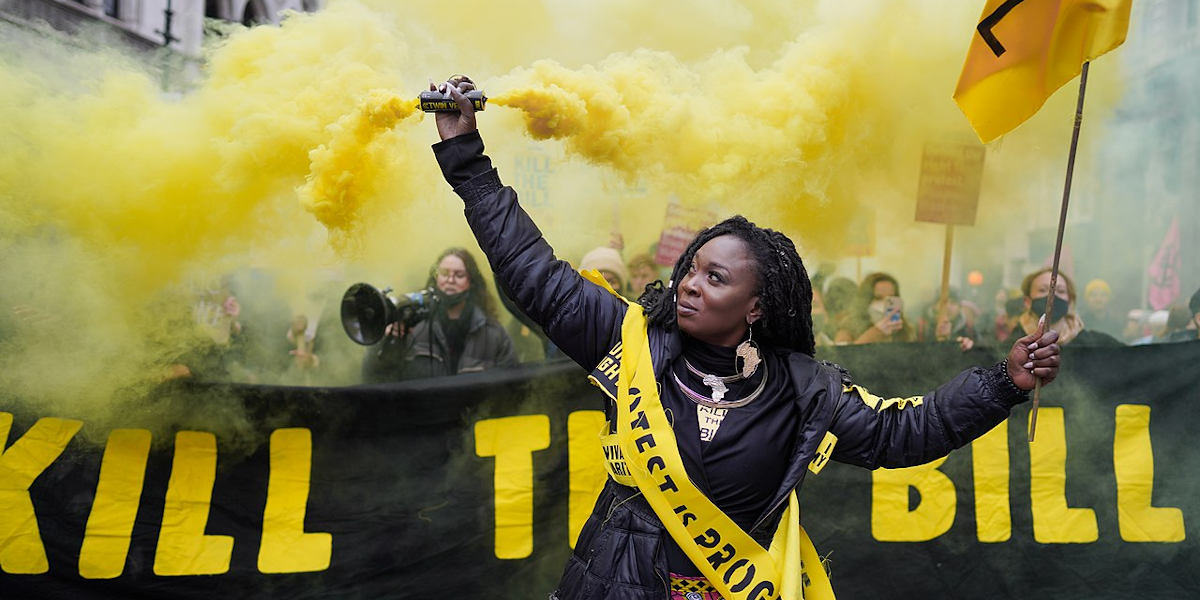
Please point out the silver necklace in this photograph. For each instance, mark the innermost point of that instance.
(715, 382)
(703, 400)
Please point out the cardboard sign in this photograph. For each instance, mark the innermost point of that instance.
(680, 227)
(949, 188)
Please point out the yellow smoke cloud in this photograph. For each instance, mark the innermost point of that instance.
(343, 172)
(830, 128)
(118, 201)
(121, 204)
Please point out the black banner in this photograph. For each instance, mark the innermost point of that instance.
(472, 487)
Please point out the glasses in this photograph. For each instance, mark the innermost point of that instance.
(450, 274)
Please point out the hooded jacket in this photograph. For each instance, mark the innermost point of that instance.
(620, 551)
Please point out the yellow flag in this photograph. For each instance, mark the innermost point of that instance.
(1024, 50)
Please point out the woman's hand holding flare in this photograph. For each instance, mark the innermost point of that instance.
(453, 124)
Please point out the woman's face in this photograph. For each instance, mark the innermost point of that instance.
(718, 295)
(614, 280)
(1097, 298)
(640, 277)
(884, 289)
(452, 275)
(1041, 287)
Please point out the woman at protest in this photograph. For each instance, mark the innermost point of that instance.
(954, 322)
(460, 336)
(881, 312)
(717, 408)
(1035, 289)
(642, 272)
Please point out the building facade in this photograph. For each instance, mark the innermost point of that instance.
(144, 25)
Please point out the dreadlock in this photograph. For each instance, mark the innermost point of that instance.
(783, 286)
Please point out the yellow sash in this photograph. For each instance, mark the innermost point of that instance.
(732, 561)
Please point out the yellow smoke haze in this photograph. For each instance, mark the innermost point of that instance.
(121, 204)
(343, 172)
(761, 141)
(832, 127)
(296, 153)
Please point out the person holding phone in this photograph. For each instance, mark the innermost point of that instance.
(883, 311)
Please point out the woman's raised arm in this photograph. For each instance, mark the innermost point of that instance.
(580, 317)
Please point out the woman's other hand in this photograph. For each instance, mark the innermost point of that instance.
(1033, 357)
(889, 324)
(453, 124)
(396, 330)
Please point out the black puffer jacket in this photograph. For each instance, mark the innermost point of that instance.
(620, 552)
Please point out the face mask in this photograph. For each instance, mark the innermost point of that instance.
(1058, 311)
(452, 299)
(876, 310)
(1015, 307)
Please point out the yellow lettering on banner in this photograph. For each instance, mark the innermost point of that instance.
(1133, 464)
(21, 549)
(286, 548)
(1053, 521)
(183, 548)
(892, 521)
(989, 462)
(118, 494)
(512, 440)
(585, 460)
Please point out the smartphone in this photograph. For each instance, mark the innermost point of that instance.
(893, 306)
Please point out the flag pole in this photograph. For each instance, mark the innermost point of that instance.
(1062, 223)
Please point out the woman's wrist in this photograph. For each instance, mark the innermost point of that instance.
(461, 158)
(1003, 385)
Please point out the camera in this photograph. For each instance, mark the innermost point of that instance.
(367, 310)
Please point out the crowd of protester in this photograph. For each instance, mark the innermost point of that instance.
(469, 333)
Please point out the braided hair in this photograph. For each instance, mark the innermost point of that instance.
(784, 289)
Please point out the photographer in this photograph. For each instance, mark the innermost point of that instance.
(460, 336)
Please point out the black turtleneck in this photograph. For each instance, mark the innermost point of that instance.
(741, 468)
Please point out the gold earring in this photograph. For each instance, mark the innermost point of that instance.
(748, 352)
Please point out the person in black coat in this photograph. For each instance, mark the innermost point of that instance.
(747, 430)
(460, 336)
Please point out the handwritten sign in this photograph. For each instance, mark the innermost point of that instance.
(948, 191)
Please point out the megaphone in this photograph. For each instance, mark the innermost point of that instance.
(367, 311)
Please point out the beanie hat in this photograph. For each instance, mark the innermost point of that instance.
(606, 259)
(1097, 284)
